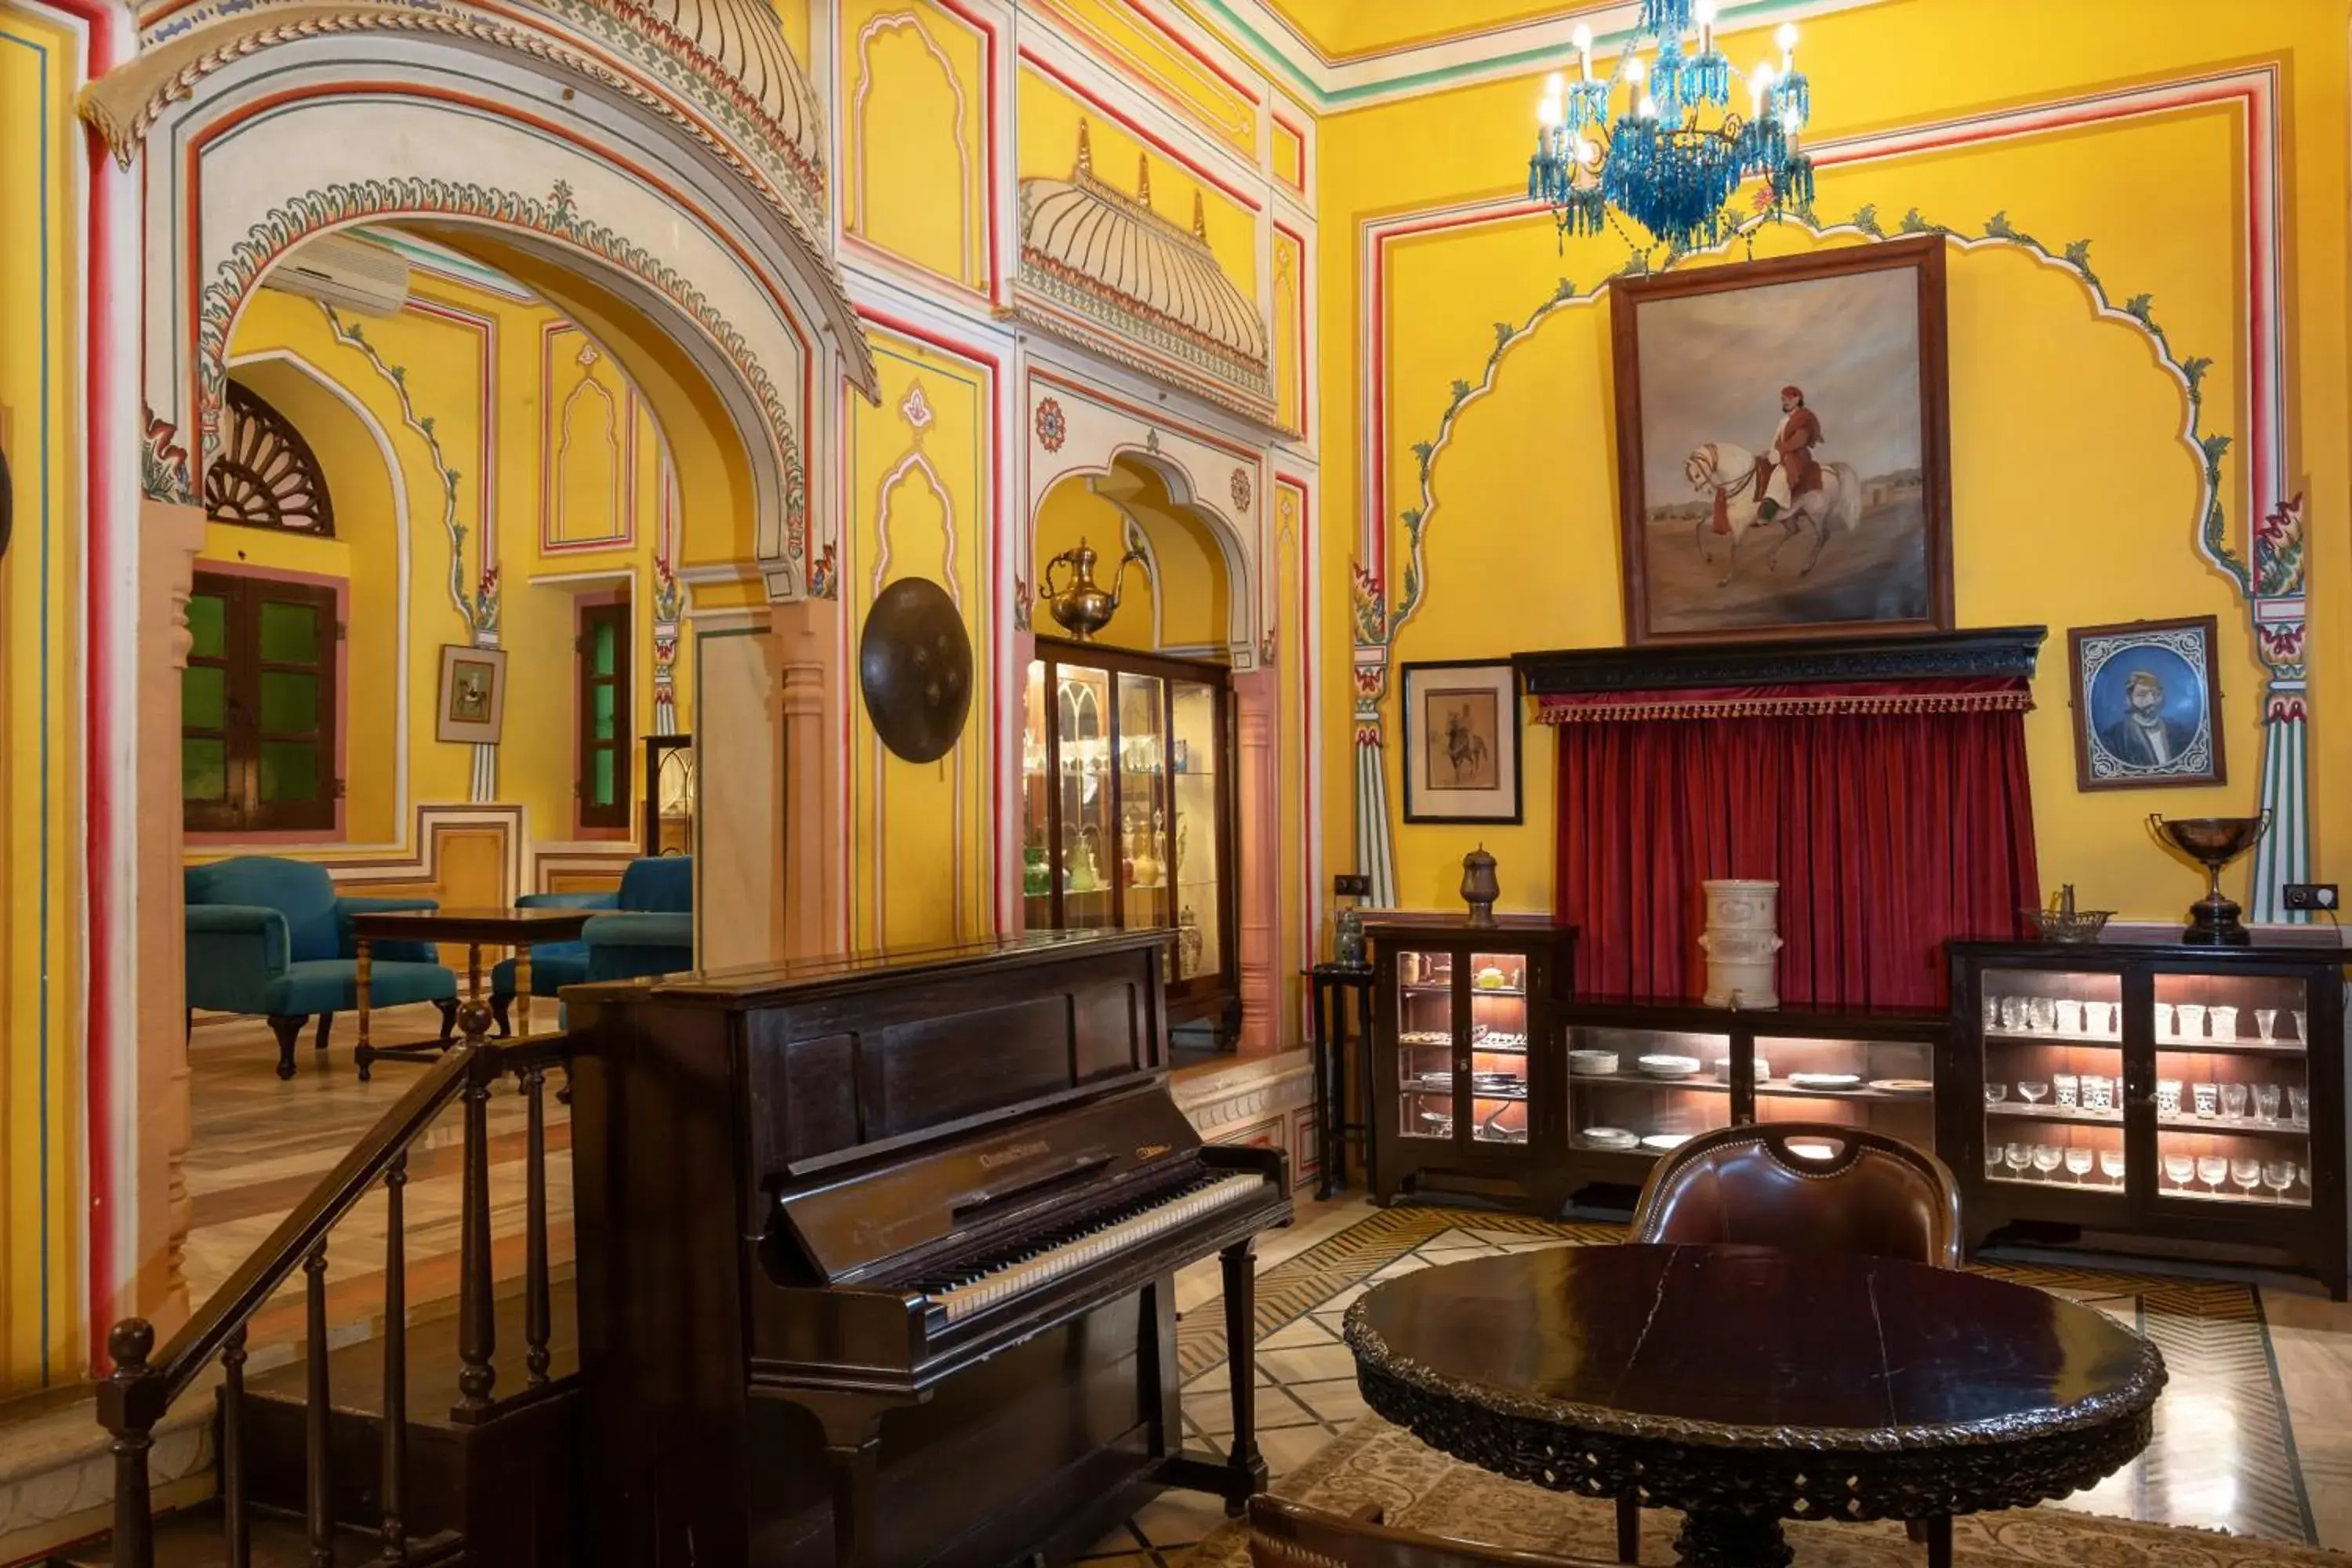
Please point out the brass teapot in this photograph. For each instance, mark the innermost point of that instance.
(1083, 607)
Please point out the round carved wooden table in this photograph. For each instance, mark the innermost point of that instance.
(1744, 1385)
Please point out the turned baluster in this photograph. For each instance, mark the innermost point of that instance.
(396, 1364)
(237, 1528)
(132, 1417)
(535, 1302)
(320, 1510)
(478, 1336)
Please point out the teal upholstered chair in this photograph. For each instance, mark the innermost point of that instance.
(270, 936)
(647, 929)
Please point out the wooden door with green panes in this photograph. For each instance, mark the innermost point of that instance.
(604, 724)
(258, 710)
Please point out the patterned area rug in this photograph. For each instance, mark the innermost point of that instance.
(1374, 1462)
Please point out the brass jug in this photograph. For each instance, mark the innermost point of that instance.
(1083, 607)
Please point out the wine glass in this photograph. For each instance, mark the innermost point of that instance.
(1993, 1155)
(2047, 1157)
(2079, 1163)
(2234, 1101)
(2179, 1168)
(2266, 1024)
(2111, 1165)
(2213, 1170)
(1995, 1094)
(2017, 1156)
(2034, 1093)
(2279, 1175)
(2246, 1173)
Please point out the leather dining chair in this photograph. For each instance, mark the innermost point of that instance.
(1802, 1186)
(1286, 1534)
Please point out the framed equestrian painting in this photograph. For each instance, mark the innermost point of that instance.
(473, 694)
(2148, 705)
(1460, 742)
(1783, 450)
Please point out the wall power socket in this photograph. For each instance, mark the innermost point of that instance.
(2311, 896)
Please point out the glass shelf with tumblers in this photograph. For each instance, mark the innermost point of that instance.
(2143, 1087)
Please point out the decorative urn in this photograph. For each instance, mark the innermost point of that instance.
(1479, 888)
(1741, 942)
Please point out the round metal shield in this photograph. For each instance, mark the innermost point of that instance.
(915, 665)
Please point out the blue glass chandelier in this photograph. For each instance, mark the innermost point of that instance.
(1674, 155)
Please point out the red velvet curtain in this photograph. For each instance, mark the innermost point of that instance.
(1888, 833)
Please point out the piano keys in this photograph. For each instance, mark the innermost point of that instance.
(877, 1257)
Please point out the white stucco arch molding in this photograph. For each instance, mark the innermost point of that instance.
(700, 69)
(329, 129)
(1076, 429)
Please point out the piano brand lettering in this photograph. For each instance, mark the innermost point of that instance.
(1018, 1151)
(1152, 1151)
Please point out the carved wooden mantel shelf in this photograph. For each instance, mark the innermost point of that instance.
(1920, 672)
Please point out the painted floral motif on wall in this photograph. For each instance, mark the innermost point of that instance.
(1053, 426)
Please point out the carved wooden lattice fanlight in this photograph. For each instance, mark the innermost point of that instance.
(266, 475)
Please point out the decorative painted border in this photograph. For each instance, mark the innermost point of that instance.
(553, 418)
(2272, 584)
(854, 215)
(344, 203)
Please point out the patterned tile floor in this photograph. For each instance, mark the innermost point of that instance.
(2249, 1434)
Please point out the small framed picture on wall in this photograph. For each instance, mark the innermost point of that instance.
(2148, 705)
(1460, 742)
(473, 705)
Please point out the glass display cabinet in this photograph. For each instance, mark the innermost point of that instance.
(1644, 1077)
(1462, 1021)
(1127, 810)
(2183, 1100)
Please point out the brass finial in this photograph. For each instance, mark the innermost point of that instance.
(1143, 178)
(1086, 148)
(1200, 217)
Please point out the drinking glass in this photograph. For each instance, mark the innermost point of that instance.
(2192, 1020)
(1995, 1094)
(2164, 1029)
(2179, 1168)
(2246, 1173)
(2267, 1101)
(2207, 1099)
(2303, 1027)
(2034, 1091)
(2167, 1097)
(2079, 1163)
(2013, 1013)
(2017, 1156)
(1993, 1153)
(1992, 1013)
(2212, 1170)
(2234, 1101)
(2069, 1088)
(2279, 1175)
(2044, 1014)
(2111, 1165)
(2069, 1017)
(2047, 1158)
(2298, 1106)
(2225, 1023)
(2098, 1092)
(2266, 1024)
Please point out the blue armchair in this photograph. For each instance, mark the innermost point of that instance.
(648, 931)
(270, 936)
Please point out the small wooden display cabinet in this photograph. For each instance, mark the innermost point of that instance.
(2152, 1096)
(1464, 1081)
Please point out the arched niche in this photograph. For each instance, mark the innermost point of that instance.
(1178, 594)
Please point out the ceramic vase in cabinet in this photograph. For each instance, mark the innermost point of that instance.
(1742, 941)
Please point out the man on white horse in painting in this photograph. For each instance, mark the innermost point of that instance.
(1794, 473)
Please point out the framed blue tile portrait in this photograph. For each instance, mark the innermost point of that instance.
(2148, 705)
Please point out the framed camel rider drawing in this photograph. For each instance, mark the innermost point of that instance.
(1783, 446)
(1460, 742)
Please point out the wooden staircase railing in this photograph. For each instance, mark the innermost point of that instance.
(145, 1383)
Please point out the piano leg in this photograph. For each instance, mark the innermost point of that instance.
(1247, 1464)
(856, 1511)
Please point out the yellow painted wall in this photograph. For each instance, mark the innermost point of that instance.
(914, 92)
(41, 1084)
(2074, 502)
(920, 498)
(1150, 58)
(550, 441)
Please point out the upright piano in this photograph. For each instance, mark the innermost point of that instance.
(876, 1257)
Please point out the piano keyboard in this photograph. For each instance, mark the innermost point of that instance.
(960, 1295)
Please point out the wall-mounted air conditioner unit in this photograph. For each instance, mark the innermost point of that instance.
(347, 273)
